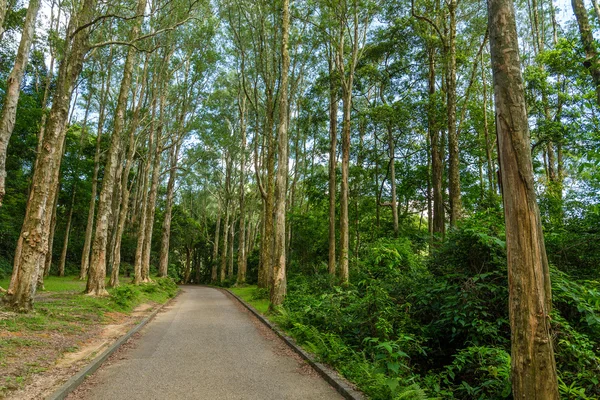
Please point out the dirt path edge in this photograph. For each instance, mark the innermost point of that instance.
(63, 391)
(341, 385)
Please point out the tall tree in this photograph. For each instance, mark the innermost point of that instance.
(33, 241)
(530, 299)
(13, 90)
(278, 288)
(97, 269)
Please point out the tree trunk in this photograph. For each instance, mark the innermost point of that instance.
(266, 249)
(34, 233)
(63, 254)
(48, 256)
(394, 202)
(278, 288)
(241, 273)
(592, 63)
(89, 228)
(230, 252)
(3, 10)
(215, 258)
(151, 206)
(333, 111)
(453, 152)
(166, 227)
(225, 249)
(596, 9)
(437, 163)
(488, 144)
(530, 300)
(13, 84)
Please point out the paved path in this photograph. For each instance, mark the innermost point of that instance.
(204, 346)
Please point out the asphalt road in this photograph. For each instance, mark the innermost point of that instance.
(205, 346)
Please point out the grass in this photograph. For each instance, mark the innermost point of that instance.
(62, 318)
(55, 284)
(253, 296)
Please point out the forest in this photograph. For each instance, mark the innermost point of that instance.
(413, 187)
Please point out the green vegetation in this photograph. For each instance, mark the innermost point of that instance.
(259, 299)
(436, 324)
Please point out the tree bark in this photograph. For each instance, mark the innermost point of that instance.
(223, 269)
(530, 299)
(89, 228)
(394, 202)
(333, 111)
(3, 10)
(215, 258)
(488, 145)
(34, 233)
(166, 227)
(437, 163)
(453, 152)
(63, 253)
(13, 85)
(241, 273)
(278, 288)
(230, 252)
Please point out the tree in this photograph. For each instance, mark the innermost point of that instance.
(530, 298)
(33, 241)
(11, 98)
(278, 288)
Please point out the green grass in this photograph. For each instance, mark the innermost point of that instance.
(250, 294)
(55, 284)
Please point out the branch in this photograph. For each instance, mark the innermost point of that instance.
(423, 18)
(143, 37)
(103, 17)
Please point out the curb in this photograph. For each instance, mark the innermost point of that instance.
(342, 386)
(76, 380)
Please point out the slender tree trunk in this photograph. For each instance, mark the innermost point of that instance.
(530, 299)
(394, 202)
(13, 84)
(188, 265)
(215, 258)
(151, 207)
(278, 288)
(333, 111)
(48, 256)
(241, 273)
(230, 252)
(437, 166)
(3, 10)
(266, 249)
(63, 254)
(592, 62)
(89, 228)
(34, 233)
(596, 9)
(126, 189)
(453, 152)
(166, 228)
(225, 249)
(488, 145)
